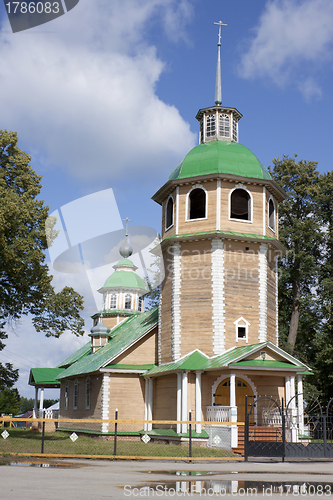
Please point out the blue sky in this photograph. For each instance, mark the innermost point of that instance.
(106, 97)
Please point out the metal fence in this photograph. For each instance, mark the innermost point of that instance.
(118, 438)
(300, 429)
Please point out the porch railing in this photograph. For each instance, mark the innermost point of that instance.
(48, 413)
(218, 413)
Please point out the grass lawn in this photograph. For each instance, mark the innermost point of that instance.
(27, 441)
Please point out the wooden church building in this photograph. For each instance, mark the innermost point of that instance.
(214, 337)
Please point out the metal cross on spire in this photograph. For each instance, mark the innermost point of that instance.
(218, 81)
(127, 221)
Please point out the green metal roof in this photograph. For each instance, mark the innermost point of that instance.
(119, 366)
(124, 335)
(76, 356)
(46, 377)
(198, 361)
(220, 157)
(124, 279)
(265, 363)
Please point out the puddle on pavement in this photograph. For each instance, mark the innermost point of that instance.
(230, 488)
(48, 465)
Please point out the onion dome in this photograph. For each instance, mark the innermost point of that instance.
(124, 278)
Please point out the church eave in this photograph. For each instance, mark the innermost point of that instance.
(228, 235)
(222, 109)
(169, 186)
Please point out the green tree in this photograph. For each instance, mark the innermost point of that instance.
(9, 401)
(25, 284)
(323, 345)
(26, 404)
(300, 231)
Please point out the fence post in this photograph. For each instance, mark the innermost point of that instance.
(325, 436)
(115, 433)
(43, 433)
(190, 435)
(283, 432)
(246, 431)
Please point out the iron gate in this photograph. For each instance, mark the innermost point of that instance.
(301, 429)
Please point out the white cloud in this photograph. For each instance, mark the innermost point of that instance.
(291, 43)
(83, 98)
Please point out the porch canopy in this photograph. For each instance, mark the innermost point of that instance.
(256, 359)
(43, 378)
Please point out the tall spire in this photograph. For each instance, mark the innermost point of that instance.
(218, 82)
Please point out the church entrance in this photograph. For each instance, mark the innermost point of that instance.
(222, 396)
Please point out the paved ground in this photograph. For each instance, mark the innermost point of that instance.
(87, 480)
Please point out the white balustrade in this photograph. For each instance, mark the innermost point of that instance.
(48, 414)
(218, 413)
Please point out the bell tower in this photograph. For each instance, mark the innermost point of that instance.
(219, 242)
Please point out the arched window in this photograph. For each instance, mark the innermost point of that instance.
(197, 204)
(113, 301)
(169, 213)
(240, 205)
(271, 214)
(88, 393)
(128, 301)
(76, 392)
(210, 125)
(224, 125)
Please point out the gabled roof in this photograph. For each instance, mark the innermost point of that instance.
(45, 377)
(235, 358)
(123, 336)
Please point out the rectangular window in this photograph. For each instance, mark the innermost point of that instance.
(88, 394)
(66, 395)
(241, 332)
(75, 396)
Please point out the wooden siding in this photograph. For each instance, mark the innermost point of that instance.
(166, 309)
(241, 290)
(95, 410)
(165, 399)
(112, 321)
(271, 296)
(141, 353)
(196, 298)
(127, 393)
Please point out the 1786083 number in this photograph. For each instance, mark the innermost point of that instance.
(32, 7)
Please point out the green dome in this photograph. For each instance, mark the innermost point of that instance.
(220, 157)
(124, 279)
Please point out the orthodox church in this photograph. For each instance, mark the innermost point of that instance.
(214, 337)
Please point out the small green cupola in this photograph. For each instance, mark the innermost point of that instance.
(99, 334)
(124, 290)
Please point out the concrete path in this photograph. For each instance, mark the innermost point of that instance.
(97, 480)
